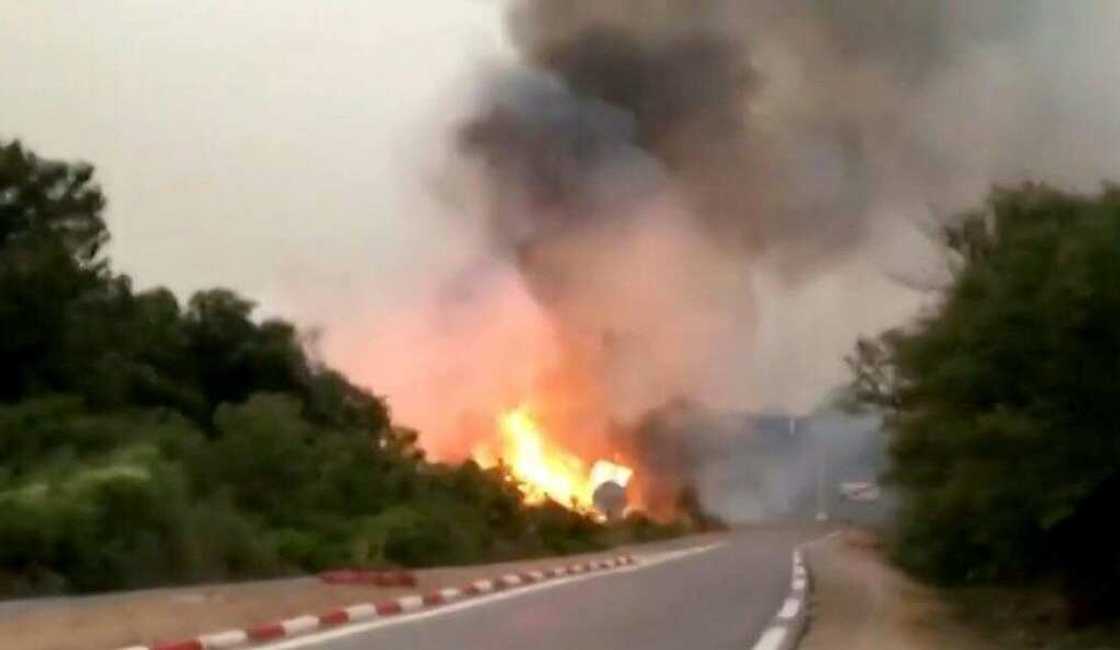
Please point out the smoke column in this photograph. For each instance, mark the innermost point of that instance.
(707, 200)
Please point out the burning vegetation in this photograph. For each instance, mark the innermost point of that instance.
(699, 202)
(544, 469)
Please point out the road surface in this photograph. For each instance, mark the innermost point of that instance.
(718, 599)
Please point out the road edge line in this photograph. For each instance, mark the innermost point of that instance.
(791, 621)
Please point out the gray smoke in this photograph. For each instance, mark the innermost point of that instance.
(650, 161)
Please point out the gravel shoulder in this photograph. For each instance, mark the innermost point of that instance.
(859, 602)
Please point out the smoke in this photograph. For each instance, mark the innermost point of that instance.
(708, 199)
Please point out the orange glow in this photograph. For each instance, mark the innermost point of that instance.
(546, 470)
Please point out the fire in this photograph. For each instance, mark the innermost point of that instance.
(546, 470)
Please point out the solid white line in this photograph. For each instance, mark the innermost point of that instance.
(771, 639)
(789, 608)
(349, 630)
(798, 584)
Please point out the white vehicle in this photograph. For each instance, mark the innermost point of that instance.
(860, 491)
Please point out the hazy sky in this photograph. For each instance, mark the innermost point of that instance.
(275, 146)
(291, 150)
(288, 149)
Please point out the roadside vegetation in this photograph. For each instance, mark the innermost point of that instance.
(144, 441)
(1001, 405)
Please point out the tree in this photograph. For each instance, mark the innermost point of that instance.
(1000, 403)
(51, 237)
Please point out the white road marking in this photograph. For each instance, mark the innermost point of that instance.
(772, 639)
(789, 609)
(778, 630)
(350, 630)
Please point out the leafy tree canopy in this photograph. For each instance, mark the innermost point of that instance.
(1001, 401)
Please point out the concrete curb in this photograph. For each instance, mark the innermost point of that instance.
(366, 611)
(792, 619)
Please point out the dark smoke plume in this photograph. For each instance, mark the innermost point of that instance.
(649, 160)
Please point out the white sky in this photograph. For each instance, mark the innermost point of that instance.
(273, 146)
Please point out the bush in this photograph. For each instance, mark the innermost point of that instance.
(124, 522)
(1000, 403)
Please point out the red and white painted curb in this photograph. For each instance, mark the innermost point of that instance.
(367, 611)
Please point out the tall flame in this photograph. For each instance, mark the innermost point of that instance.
(546, 470)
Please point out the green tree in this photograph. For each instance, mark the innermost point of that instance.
(1000, 403)
(51, 237)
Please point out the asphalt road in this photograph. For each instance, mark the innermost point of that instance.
(720, 599)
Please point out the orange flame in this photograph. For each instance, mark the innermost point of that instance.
(546, 470)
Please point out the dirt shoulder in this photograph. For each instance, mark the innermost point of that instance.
(859, 602)
(122, 619)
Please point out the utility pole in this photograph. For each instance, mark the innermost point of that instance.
(821, 443)
(819, 451)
